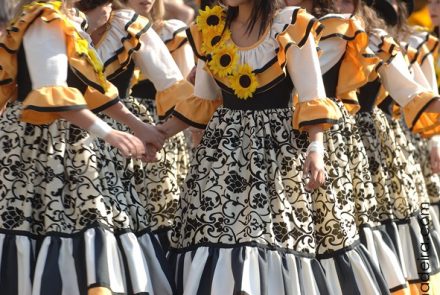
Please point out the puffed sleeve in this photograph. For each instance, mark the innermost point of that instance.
(157, 64)
(297, 36)
(45, 48)
(173, 33)
(198, 109)
(427, 51)
(410, 95)
(184, 58)
(313, 107)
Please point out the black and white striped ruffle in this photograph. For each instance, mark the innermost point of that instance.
(352, 271)
(383, 244)
(246, 269)
(125, 263)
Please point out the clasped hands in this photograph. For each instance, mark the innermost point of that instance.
(151, 140)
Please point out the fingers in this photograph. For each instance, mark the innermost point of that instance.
(314, 170)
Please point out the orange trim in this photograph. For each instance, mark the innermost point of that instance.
(135, 29)
(359, 62)
(12, 41)
(404, 291)
(430, 287)
(96, 99)
(298, 32)
(429, 46)
(177, 41)
(323, 112)
(168, 98)
(197, 111)
(44, 105)
(419, 121)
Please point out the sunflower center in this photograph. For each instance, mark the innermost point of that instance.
(245, 81)
(225, 60)
(215, 40)
(213, 20)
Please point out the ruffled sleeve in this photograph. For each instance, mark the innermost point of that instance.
(157, 65)
(198, 109)
(383, 46)
(427, 47)
(298, 48)
(358, 62)
(410, 95)
(173, 33)
(53, 45)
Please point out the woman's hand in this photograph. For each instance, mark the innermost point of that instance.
(150, 135)
(314, 169)
(129, 145)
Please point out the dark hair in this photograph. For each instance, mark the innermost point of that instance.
(371, 19)
(204, 3)
(86, 5)
(323, 7)
(5, 11)
(262, 9)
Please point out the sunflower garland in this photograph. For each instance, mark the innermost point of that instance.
(222, 57)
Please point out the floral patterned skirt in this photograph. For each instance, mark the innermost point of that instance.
(67, 222)
(177, 149)
(155, 183)
(245, 217)
(397, 194)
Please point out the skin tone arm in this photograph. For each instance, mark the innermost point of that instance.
(128, 144)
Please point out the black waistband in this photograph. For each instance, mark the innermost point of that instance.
(277, 97)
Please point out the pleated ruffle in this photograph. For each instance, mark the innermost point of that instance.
(246, 269)
(124, 263)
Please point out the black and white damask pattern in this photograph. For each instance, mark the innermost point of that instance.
(347, 199)
(394, 186)
(52, 181)
(245, 184)
(155, 183)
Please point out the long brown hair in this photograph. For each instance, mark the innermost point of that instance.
(371, 18)
(6, 8)
(262, 10)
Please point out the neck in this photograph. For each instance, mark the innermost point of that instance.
(244, 13)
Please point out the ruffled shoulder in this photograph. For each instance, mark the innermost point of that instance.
(412, 55)
(358, 63)
(80, 55)
(383, 45)
(425, 43)
(195, 39)
(122, 39)
(293, 26)
(173, 34)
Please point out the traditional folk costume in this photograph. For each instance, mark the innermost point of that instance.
(172, 33)
(130, 42)
(391, 168)
(244, 215)
(354, 211)
(422, 51)
(68, 225)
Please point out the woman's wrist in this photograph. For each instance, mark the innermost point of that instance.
(316, 146)
(100, 129)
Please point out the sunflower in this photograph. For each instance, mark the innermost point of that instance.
(211, 17)
(223, 60)
(212, 37)
(244, 82)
